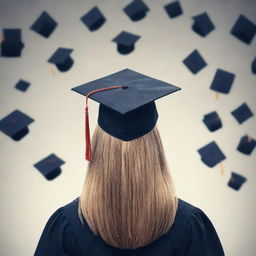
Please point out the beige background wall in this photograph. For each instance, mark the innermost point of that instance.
(28, 199)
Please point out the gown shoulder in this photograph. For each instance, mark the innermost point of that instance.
(57, 237)
(199, 236)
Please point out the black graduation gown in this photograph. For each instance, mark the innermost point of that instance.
(192, 234)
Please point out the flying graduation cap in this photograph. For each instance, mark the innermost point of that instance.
(22, 85)
(127, 109)
(254, 66)
(202, 24)
(49, 167)
(125, 42)
(236, 180)
(212, 121)
(244, 29)
(15, 125)
(44, 25)
(136, 10)
(173, 9)
(242, 113)
(93, 19)
(246, 145)
(12, 44)
(211, 154)
(61, 58)
(194, 62)
(222, 81)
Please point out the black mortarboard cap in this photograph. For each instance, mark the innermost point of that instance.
(136, 10)
(254, 66)
(202, 24)
(93, 19)
(61, 58)
(246, 145)
(125, 42)
(212, 121)
(15, 125)
(222, 81)
(236, 181)
(12, 45)
(244, 29)
(22, 85)
(211, 154)
(44, 25)
(194, 62)
(173, 9)
(50, 166)
(129, 111)
(242, 113)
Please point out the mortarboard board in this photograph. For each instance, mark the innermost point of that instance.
(12, 45)
(44, 25)
(211, 154)
(222, 81)
(236, 181)
(194, 62)
(61, 58)
(136, 10)
(244, 29)
(22, 85)
(127, 109)
(242, 113)
(50, 166)
(15, 125)
(173, 9)
(246, 145)
(202, 24)
(125, 42)
(93, 19)
(212, 121)
(254, 66)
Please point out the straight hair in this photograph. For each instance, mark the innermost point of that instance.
(128, 197)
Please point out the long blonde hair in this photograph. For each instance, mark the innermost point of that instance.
(128, 196)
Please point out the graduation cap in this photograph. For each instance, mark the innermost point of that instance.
(125, 42)
(254, 66)
(15, 125)
(136, 10)
(173, 9)
(22, 85)
(127, 109)
(93, 19)
(212, 121)
(44, 25)
(242, 113)
(246, 145)
(194, 62)
(50, 166)
(222, 81)
(61, 59)
(244, 29)
(236, 181)
(12, 45)
(202, 24)
(211, 154)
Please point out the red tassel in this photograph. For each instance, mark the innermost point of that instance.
(88, 154)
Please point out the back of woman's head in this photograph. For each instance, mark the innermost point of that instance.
(128, 196)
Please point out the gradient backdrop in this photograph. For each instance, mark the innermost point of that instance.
(28, 199)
